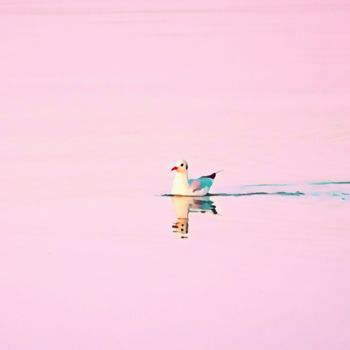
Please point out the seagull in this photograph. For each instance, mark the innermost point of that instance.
(183, 186)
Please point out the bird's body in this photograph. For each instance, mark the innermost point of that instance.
(183, 186)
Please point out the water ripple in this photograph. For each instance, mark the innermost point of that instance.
(330, 189)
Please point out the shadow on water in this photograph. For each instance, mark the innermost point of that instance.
(183, 206)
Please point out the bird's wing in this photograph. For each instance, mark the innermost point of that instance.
(195, 185)
(199, 184)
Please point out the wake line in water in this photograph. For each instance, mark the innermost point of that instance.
(331, 183)
(330, 189)
(280, 193)
(311, 183)
(341, 195)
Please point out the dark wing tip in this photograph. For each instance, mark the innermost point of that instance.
(212, 176)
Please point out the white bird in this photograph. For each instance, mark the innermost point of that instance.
(183, 186)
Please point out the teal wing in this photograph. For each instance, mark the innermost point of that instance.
(201, 183)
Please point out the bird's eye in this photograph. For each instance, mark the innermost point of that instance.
(182, 164)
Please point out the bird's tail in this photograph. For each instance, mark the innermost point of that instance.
(213, 175)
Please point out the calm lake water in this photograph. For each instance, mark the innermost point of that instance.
(99, 99)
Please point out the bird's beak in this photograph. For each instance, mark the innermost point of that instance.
(174, 168)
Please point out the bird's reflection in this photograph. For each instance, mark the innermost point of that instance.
(184, 206)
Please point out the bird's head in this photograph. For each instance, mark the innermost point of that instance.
(181, 166)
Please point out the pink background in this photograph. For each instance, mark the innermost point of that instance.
(98, 99)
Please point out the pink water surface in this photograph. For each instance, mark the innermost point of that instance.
(98, 99)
